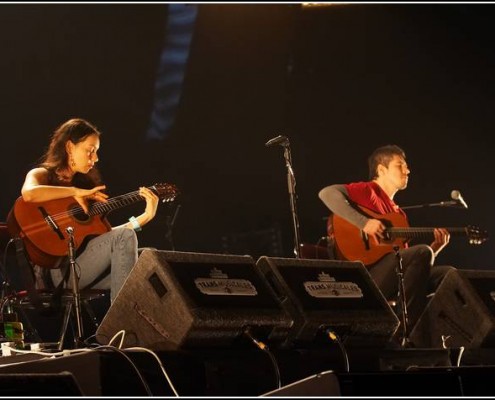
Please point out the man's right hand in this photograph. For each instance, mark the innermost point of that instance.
(375, 228)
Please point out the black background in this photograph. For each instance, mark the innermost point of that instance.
(338, 81)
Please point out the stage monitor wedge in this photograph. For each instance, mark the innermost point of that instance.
(174, 300)
(329, 294)
(461, 313)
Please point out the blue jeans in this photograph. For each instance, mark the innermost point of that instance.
(117, 248)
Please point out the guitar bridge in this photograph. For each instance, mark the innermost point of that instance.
(51, 223)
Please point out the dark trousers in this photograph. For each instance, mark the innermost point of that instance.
(421, 278)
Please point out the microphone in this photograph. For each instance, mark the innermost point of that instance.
(281, 140)
(456, 195)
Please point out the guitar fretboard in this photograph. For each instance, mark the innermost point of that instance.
(422, 233)
(474, 235)
(101, 207)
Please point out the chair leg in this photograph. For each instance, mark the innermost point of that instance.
(65, 324)
(91, 313)
(30, 328)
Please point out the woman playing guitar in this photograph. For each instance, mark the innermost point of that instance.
(68, 180)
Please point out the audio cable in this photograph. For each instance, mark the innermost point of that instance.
(262, 346)
(335, 338)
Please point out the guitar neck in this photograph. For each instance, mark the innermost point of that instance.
(103, 207)
(421, 233)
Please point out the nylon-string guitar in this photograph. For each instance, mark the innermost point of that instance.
(42, 225)
(353, 244)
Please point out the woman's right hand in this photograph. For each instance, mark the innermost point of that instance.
(83, 196)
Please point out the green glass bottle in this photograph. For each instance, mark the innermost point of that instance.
(12, 328)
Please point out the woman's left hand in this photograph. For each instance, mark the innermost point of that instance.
(151, 204)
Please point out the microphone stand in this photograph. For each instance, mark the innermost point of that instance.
(75, 288)
(170, 221)
(404, 342)
(291, 181)
(450, 203)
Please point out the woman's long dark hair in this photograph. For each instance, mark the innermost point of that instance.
(56, 159)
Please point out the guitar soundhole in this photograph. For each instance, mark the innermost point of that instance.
(79, 214)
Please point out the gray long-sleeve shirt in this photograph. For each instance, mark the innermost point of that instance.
(336, 199)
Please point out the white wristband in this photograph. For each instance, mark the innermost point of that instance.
(135, 224)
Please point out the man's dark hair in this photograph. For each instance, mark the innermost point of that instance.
(383, 155)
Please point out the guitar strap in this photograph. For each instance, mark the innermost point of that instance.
(99, 278)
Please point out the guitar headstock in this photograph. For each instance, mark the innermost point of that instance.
(165, 191)
(476, 235)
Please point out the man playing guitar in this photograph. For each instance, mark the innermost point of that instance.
(360, 205)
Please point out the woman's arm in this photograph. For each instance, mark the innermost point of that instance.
(149, 212)
(35, 189)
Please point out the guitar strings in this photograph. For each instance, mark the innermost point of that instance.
(99, 206)
(413, 229)
(168, 193)
(394, 232)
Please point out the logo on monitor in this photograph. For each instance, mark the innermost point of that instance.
(327, 287)
(219, 284)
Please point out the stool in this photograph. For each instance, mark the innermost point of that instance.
(322, 250)
(22, 302)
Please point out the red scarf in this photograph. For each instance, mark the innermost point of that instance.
(372, 196)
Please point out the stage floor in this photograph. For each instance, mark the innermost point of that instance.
(108, 371)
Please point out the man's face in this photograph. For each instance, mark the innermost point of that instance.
(396, 173)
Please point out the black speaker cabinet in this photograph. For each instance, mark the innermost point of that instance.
(462, 311)
(324, 383)
(39, 385)
(327, 294)
(174, 300)
(398, 384)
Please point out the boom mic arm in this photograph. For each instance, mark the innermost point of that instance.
(457, 201)
(280, 139)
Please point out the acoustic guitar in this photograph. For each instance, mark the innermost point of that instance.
(353, 244)
(42, 225)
